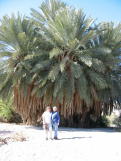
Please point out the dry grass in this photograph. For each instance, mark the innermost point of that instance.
(2, 141)
(14, 138)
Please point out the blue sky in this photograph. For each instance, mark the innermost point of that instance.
(102, 10)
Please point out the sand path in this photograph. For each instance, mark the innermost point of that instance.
(74, 145)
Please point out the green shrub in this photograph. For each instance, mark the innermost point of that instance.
(7, 113)
(101, 122)
(117, 122)
(5, 110)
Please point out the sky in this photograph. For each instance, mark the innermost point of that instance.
(101, 10)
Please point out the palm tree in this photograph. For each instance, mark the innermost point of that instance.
(82, 79)
(20, 50)
(59, 57)
(18, 45)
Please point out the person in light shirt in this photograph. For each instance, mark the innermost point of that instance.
(47, 122)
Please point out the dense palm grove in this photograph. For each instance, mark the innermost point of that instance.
(60, 57)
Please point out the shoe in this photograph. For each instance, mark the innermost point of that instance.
(46, 139)
(55, 138)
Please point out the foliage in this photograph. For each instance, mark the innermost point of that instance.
(102, 122)
(85, 58)
(117, 122)
(5, 110)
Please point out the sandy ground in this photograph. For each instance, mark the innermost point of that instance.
(73, 145)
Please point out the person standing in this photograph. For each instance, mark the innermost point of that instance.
(47, 122)
(55, 121)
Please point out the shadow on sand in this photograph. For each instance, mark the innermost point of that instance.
(5, 132)
(34, 127)
(61, 129)
(89, 137)
(108, 130)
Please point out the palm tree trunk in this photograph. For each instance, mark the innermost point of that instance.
(74, 114)
(29, 107)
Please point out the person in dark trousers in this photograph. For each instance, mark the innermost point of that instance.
(55, 121)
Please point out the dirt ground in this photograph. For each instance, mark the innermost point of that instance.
(73, 144)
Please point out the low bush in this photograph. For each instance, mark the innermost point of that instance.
(117, 122)
(7, 113)
(103, 121)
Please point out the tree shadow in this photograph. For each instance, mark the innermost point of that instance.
(6, 132)
(71, 138)
(108, 130)
(65, 129)
(34, 127)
